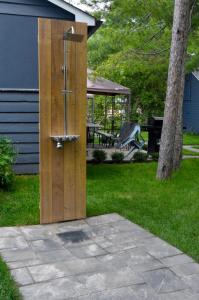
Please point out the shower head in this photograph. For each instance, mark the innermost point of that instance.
(70, 35)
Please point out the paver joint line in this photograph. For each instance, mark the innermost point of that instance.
(109, 258)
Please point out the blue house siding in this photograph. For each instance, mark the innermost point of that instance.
(35, 8)
(191, 104)
(19, 40)
(19, 107)
(19, 121)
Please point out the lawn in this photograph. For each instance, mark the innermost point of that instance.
(168, 209)
(188, 138)
(190, 152)
(8, 288)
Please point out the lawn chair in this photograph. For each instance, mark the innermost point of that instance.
(130, 136)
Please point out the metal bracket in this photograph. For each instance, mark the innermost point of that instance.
(60, 139)
(64, 92)
(74, 37)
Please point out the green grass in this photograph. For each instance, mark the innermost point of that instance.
(20, 206)
(191, 139)
(189, 152)
(188, 138)
(168, 209)
(8, 288)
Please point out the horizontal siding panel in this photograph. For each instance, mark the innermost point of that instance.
(26, 2)
(22, 137)
(51, 11)
(191, 107)
(27, 158)
(19, 52)
(27, 148)
(19, 117)
(18, 96)
(18, 128)
(26, 169)
(19, 107)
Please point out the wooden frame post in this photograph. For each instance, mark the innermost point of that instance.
(62, 171)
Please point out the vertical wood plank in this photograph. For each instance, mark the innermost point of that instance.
(69, 150)
(80, 121)
(63, 172)
(57, 120)
(45, 120)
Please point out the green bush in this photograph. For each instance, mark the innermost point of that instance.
(117, 157)
(140, 156)
(145, 147)
(7, 158)
(155, 155)
(99, 156)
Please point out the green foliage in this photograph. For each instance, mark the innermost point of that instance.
(132, 48)
(99, 155)
(117, 157)
(7, 158)
(8, 288)
(140, 156)
(155, 156)
(145, 147)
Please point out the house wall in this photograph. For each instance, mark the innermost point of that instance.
(19, 121)
(19, 102)
(18, 40)
(191, 104)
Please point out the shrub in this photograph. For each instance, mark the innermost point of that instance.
(117, 157)
(7, 158)
(155, 155)
(99, 156)
(140, 156)
(145, 147)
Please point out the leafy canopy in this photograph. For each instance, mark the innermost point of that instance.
(132, 47)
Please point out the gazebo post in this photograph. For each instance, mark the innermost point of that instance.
(121, 107)
(93, 108)
(129, 107)
(105, 114)
(113, 115)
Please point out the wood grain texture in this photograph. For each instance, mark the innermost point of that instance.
(57, 120)
(80, 121)
(69, 153)
(62, 172)
(45, 80)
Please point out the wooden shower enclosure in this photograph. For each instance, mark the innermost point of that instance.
(62, 171)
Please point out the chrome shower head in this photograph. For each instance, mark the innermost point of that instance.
(70, 35)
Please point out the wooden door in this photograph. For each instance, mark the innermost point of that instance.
(62, 171)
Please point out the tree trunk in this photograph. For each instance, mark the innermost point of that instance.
(177, 156)
(178, 146)
(175, 88)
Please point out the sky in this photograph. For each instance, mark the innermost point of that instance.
(77, 3)
(82, 6)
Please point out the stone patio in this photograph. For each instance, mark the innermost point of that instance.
(105, 257)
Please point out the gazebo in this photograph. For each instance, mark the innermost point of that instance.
(115, 95)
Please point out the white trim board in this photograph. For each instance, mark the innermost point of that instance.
(80, 15)
(196, 74)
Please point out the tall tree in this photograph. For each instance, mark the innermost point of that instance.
(132, 48)
(171, 139)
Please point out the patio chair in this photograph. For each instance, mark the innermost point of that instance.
(130, 136)
(105, 139)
